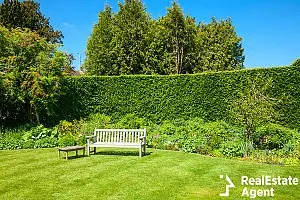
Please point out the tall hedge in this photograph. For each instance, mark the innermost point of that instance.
(206, 95)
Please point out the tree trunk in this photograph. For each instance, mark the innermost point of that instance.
(37, 115)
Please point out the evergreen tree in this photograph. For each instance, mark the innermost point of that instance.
(99, 58)
(178, 33)
(129, 42)
(174, 24)
(219, 47)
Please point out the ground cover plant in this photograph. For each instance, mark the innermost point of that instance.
(121, 174)
(272, 143)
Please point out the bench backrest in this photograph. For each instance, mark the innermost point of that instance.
(119, 135)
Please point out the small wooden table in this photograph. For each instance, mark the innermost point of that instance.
(72, 148)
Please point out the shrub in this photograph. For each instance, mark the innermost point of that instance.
(234, 148)
(70, 133)
(197, 137)
(206, 95)
(47, 142)
(40, 132)
(67, 140)
(131, 121)
(216, 133)
(96, 120)
(274, 136)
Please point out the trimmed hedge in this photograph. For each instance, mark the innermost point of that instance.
(206, 95)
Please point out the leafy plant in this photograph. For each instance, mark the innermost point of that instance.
(274, 136)
(70, 133)
(254, 107)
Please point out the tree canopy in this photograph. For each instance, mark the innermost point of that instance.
(27, 14)
(130, 42)
(26, 61)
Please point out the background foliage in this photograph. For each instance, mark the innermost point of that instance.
(131, 42)
(27, 14)
(27, 61)
(208, 95)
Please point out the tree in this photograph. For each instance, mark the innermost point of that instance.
(174, 26)
(173, 40)
(99, 59)
(26, 61)
(253, 107)
(220, 47)
(129, 42)
(117, 44)
(27, 14)
(158, 56)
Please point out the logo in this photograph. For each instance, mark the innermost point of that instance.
(229, 185)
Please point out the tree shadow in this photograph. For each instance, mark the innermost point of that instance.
(119, 153)
(72, 157)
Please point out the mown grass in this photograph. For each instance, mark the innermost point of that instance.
(121, 174)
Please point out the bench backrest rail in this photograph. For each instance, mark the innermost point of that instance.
(119, 135)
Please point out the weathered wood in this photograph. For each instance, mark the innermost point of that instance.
(71, 148)
(126, 138)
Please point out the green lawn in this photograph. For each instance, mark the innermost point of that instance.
(39, 174)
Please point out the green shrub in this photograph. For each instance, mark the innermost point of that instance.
(216, 133)
(274, 136)
(131, 121)
(94, 121)
(70, 133)
(206, 95)
(40, 132)
(67, 140)
(197, 137)
(234, 148)
(47, 142)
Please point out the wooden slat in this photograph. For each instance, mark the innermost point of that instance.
(101, 137)
(119, 135)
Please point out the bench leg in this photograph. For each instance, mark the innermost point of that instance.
(94, 150)
(144, 149)
(140, 151)
(83, 152)
(67, 155)
(76, 152)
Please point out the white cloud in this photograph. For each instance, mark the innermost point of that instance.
(68, 25)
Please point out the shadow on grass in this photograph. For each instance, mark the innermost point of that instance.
(119, 153)
(71, 157)
(108, 152)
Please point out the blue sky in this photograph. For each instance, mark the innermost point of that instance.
(270, 28)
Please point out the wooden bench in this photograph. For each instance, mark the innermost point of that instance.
(123, 138)
(72, 148)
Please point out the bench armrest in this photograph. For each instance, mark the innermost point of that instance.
(142, 139)
(88, 138)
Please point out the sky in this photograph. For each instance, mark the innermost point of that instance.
(270, 28)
